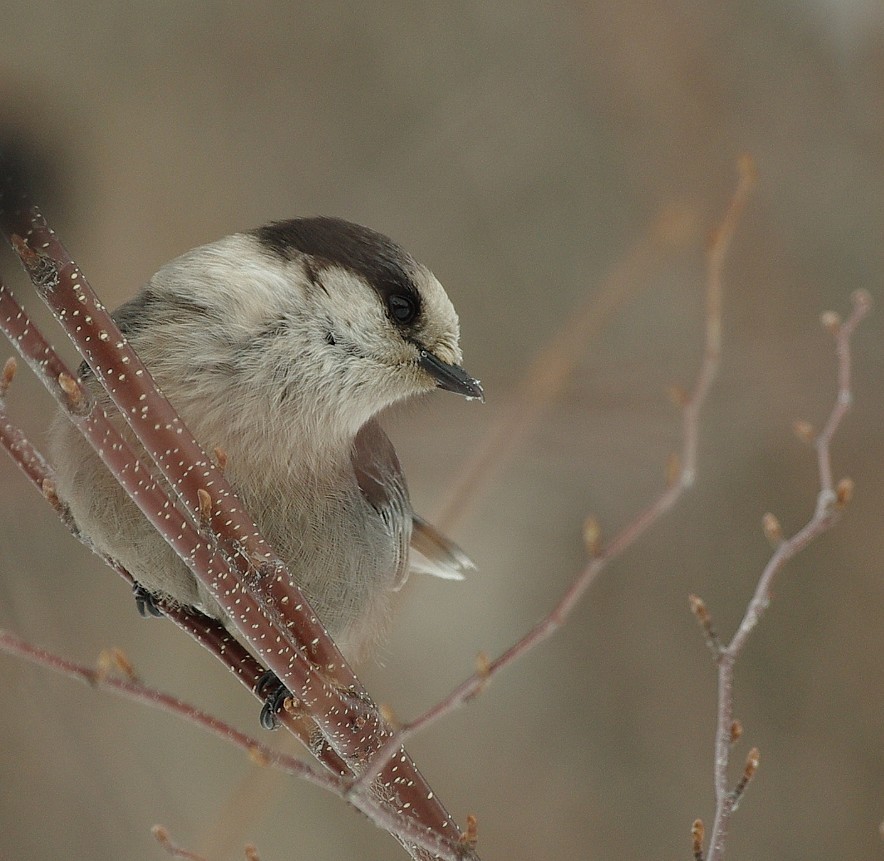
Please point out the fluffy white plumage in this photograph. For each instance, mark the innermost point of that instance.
(281, 346)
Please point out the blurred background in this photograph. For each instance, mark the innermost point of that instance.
(540, 158)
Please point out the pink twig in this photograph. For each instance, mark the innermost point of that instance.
(602, 555)
(830, 502)
(132, 689)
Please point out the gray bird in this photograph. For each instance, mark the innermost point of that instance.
(281, 346)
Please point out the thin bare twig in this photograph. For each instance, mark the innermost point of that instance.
(161, 835)
(132, 689)
(683, 478)
(830, 502)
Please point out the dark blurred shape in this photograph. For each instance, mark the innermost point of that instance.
(28, 165)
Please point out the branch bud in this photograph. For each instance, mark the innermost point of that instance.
(9, 369)
(773, 532)
(704, 617)
(220, 457)
(592, 535)
(114, 660)
(258, 756)
(161, 835)
(470, 837)
(862, 300)
(483, 665)
(50, 493)
(698, 834)
(752, 762)
(844, 492)
(41, 269)
(748, 773)
(205, 506)
(736, 731)
(389, 715)
(72, 389)
(804, 430)
(699, 609)
(831, 321)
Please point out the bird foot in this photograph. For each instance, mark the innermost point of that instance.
(275, 694)
(146, 602)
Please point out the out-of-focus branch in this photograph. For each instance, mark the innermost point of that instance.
(831, 500)
(548, 373)
(682, 476)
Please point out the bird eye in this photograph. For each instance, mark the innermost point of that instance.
(403, 309)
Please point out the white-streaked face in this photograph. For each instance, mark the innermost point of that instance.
(323, 321)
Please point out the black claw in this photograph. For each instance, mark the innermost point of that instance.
(266, 681)
(268, 717)
(275, 694)
(146, 602)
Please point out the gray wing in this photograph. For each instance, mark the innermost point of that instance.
(382, 482)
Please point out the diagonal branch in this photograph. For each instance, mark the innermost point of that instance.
(130, 688)
(51, 370)
(629, 534)
(544, 381)
(227, 553)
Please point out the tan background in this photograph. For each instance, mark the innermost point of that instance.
(524, 151)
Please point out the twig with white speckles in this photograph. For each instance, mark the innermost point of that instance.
(682, 477)
(50, 369)
(247, 579)
(830, 502)
(94, 424)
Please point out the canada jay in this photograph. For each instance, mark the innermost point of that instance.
(280, 347)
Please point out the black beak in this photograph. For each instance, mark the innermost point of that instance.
(452, 378)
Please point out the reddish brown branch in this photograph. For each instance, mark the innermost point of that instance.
(49, 368)
(232, 559)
